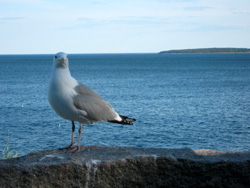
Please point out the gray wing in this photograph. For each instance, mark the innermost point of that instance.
(83, 90)
(95, 107)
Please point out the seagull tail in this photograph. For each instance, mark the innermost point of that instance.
(125, 120)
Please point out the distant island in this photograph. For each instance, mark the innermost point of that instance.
(207, 51)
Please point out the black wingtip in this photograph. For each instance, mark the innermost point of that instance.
(125, 120)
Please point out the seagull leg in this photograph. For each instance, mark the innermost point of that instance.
(79, 139)
(72, 145)
(78, 148)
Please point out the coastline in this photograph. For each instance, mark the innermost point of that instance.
(207, 51)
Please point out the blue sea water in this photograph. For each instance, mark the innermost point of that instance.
(200, 101)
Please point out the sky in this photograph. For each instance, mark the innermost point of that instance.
(121, 26)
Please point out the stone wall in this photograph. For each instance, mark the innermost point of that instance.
(115, 167)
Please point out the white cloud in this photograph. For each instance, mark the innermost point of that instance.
(11, 18)
(197, 8)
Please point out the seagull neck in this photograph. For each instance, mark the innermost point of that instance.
(64, 72)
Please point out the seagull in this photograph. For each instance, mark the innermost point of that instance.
(75, 101)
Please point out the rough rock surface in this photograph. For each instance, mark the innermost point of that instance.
(97, 166)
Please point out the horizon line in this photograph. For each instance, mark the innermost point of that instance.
(81, 53)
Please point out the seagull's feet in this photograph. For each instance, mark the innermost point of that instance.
(72, 145)
(75, 150)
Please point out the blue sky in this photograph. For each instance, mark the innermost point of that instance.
(128, 26)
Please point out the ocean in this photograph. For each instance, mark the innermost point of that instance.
(199, 101)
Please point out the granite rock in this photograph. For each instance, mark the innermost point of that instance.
(120, 167)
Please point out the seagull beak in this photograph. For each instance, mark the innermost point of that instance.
(62, 60)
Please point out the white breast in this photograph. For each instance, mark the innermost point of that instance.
(61, 92)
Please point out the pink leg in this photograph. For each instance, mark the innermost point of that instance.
(78, 148)
(72, 145)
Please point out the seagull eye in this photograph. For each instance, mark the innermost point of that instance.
(55, 57)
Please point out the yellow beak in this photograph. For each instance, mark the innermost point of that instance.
(62, 60)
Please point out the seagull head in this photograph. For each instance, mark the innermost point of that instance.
(61, 60)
